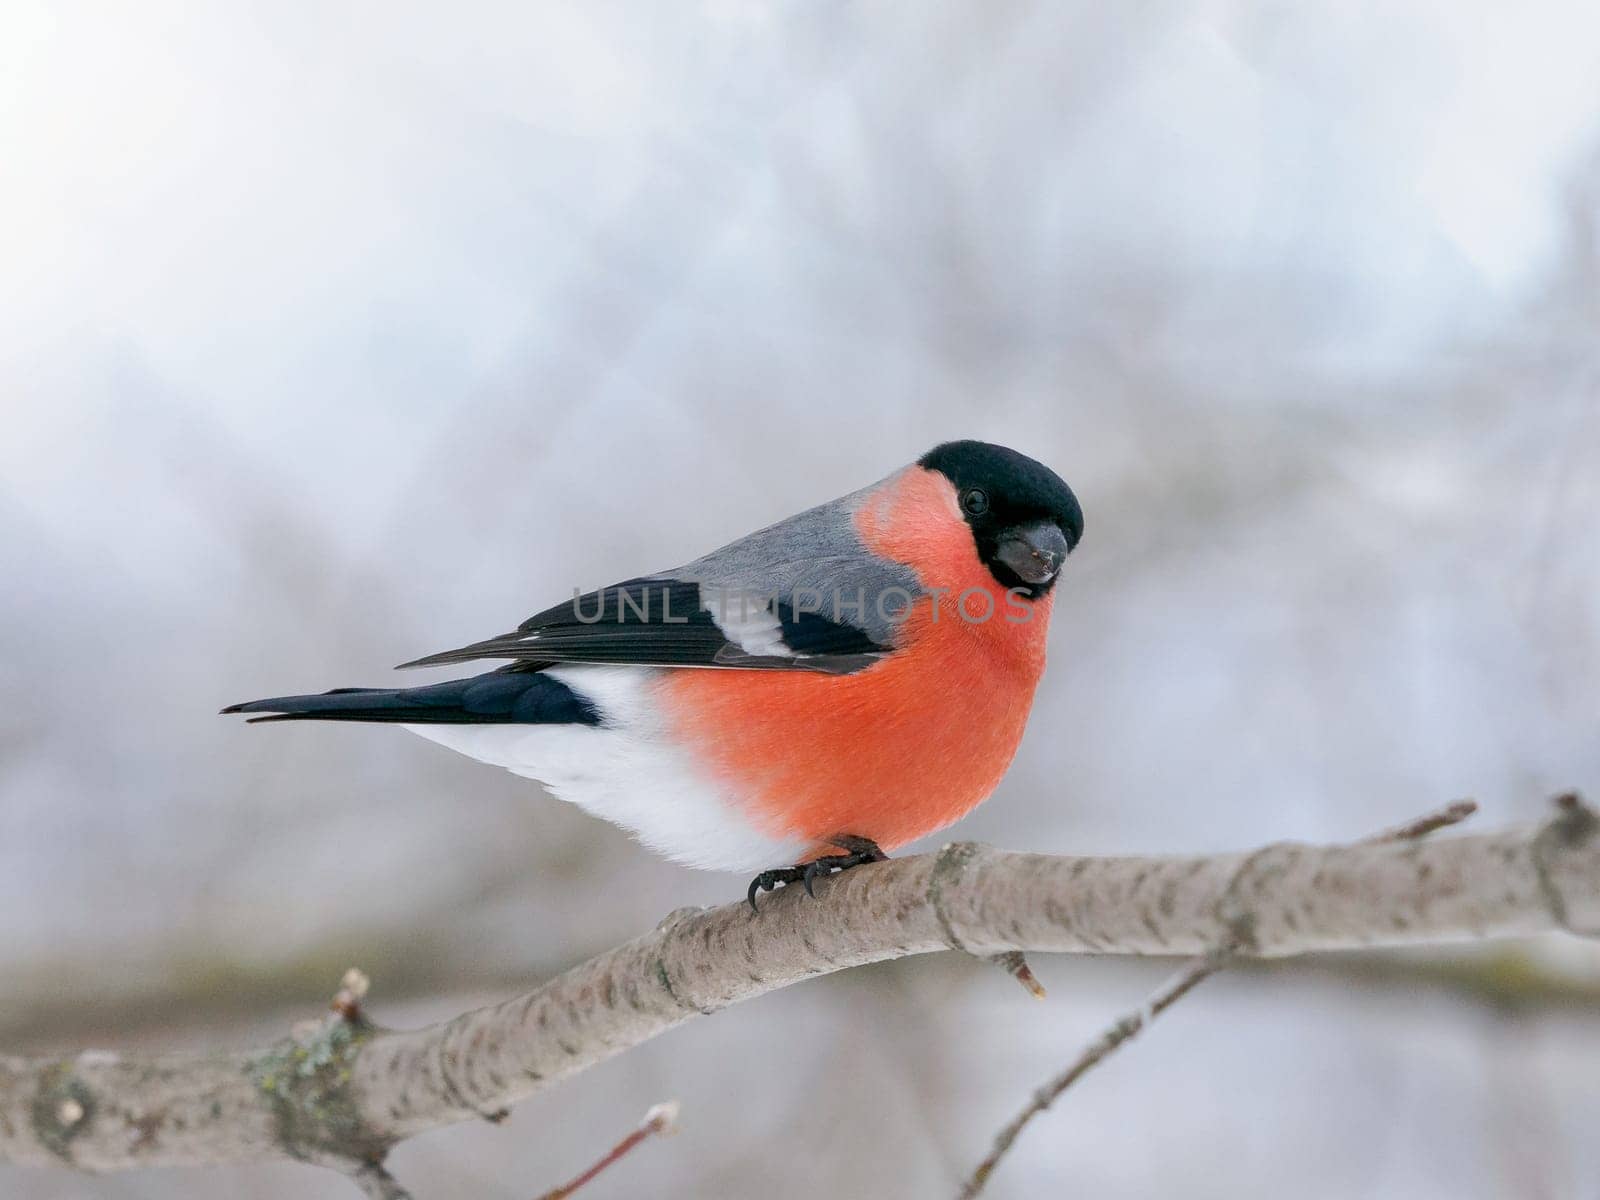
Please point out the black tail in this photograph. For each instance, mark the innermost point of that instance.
(499, 698)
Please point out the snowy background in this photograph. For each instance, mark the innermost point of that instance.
(334, 334)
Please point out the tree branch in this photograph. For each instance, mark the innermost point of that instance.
(1129, 1026)
(344, 1093)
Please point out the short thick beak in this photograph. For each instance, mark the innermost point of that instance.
(1035, 552)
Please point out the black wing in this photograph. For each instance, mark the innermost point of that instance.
(669, 622)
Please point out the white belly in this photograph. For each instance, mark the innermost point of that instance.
(627, 771)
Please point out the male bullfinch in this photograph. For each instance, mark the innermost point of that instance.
(821, 691)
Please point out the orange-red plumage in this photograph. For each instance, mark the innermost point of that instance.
(906, 746)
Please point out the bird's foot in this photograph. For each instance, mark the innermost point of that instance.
(857, 850)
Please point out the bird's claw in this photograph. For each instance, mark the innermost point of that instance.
(768, 880)
(858, 850)
(813, 869)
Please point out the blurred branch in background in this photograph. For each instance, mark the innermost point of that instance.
(345, 1092)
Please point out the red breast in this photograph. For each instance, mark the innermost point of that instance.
(906, 746)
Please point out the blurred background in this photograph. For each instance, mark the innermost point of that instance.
(335, 334)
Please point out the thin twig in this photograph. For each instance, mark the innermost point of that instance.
(1197, 971)
(660, 1121)
(375, 1181)
(352, 991)
(1015, 965)
(1450, 814)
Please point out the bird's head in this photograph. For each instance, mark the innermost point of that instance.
(1024, 518)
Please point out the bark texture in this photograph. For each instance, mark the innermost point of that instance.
(343, 1093)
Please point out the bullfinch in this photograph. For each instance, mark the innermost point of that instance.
(819, 692)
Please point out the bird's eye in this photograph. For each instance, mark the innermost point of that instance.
(975, 501)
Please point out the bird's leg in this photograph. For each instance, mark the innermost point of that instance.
(857, 850)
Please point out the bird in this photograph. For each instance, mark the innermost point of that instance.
(814, 695)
